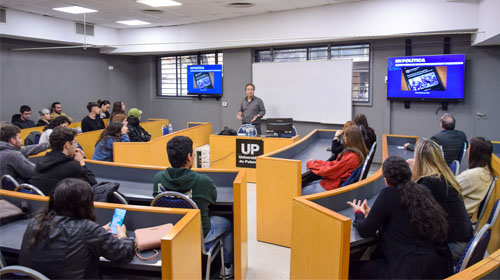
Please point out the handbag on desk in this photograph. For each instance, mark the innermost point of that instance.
(150, 238)
(10, 212)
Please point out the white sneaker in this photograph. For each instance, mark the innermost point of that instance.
(227, 272)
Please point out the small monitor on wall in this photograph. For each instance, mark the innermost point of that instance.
(279, 126)
(426, 78)
(204, 79)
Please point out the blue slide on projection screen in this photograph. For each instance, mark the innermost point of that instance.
(204, 79)
(426, 78)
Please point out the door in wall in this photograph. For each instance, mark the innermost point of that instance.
(486, 92)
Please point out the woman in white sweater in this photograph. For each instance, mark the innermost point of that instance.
(59, 121)
(476, 180)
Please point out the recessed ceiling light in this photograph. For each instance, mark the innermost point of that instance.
(133, 22)
(159, 3)
(75, 10)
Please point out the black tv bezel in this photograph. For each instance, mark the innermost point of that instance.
(419, 99)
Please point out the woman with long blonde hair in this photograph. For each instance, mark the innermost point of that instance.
(333, 173)
(430, 170)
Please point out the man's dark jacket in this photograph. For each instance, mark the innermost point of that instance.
(452, 142)
(56, 166)
(16, 120)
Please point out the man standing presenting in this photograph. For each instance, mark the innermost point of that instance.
(252, 108)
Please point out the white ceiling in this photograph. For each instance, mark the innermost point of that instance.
(192, 11)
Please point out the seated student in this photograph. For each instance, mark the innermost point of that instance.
(136, 132)
(118, 108)
(333, 173)
(476, 180)
(412, 230)
(44, 117)
(93, 120)
(23, 120)
(451, 140)
(430, 170)
(120, 118)
(64, 161)
(47, 130)
(63, 241)
(57, 111)
(180, 178)
(336, 149)
(115, 132)
(337, 146)
(368, 132)
(13, 155)
(104, 105)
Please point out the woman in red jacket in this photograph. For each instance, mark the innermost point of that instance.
(335, 172)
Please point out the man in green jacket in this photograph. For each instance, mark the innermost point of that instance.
(180, 178)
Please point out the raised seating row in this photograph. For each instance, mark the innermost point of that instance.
(154, 152)
(179, 256)
(322, 227)
(223, 150)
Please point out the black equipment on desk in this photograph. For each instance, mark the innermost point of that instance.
(279, 127)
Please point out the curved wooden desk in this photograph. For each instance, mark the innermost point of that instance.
(223, 150)
(89, 139)
(495, 233)
(321, 226)
(154, 152)
(180, 256)
(279, 181)
(496, 148)
(136, 183)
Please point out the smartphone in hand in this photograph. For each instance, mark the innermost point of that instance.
(118, 218)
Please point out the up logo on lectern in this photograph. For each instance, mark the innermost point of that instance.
(247, 152)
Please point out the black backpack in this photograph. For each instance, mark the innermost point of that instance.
(228, 131)
(32, 138)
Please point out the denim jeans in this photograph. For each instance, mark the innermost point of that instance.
(221, 226)
(314, 187)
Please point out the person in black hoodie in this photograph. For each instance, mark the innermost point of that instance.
(23, 120)
(136, 132)
(64, 161)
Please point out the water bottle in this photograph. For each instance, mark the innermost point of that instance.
(170, 129)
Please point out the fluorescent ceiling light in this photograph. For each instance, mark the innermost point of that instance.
(75, 10)
(133, 22)
(159, 3)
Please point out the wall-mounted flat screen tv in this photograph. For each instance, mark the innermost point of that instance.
(426, 78)
(204, 79)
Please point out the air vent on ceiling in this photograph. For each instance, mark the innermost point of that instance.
(240, 5)
(89, 28)
(3, 15)
(153, 12)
